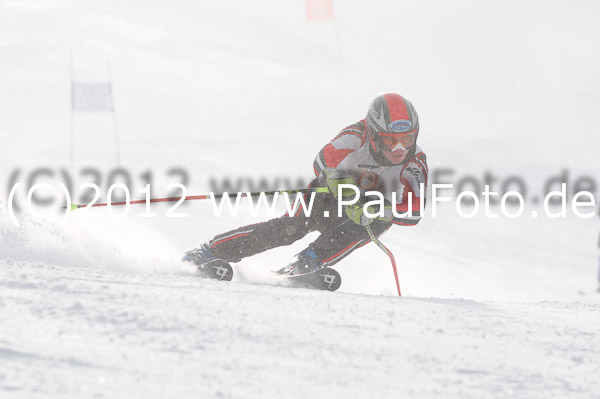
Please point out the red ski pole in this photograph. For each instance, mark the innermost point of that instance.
(388, 253)
(204, 196)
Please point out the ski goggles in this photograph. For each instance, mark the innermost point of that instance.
(394, 142)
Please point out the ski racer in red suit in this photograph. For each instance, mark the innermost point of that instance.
(378, 153)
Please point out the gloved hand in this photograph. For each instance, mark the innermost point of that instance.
(332, 178)
(356, 213)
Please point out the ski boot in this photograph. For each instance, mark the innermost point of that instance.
(208, 265)
(306, 261)
(307, 271)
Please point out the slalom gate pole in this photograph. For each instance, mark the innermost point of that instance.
(388, 253)
(205, 196)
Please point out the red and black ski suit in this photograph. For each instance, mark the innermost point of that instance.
(350, 151)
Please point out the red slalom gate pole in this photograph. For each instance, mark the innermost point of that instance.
(388, 253)
(202, 197)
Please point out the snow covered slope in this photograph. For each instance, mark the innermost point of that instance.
(245, 89)
(96, 333)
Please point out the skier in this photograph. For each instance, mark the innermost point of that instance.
(378, 153)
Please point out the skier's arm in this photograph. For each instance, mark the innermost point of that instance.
(349, 140)
(412, 177)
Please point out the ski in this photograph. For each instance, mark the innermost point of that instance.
(216, 269)
(325, 279)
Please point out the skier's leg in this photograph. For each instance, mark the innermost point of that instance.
(250, 240)
(333, 245)
(245, 241)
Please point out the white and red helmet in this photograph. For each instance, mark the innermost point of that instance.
(393, 126)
